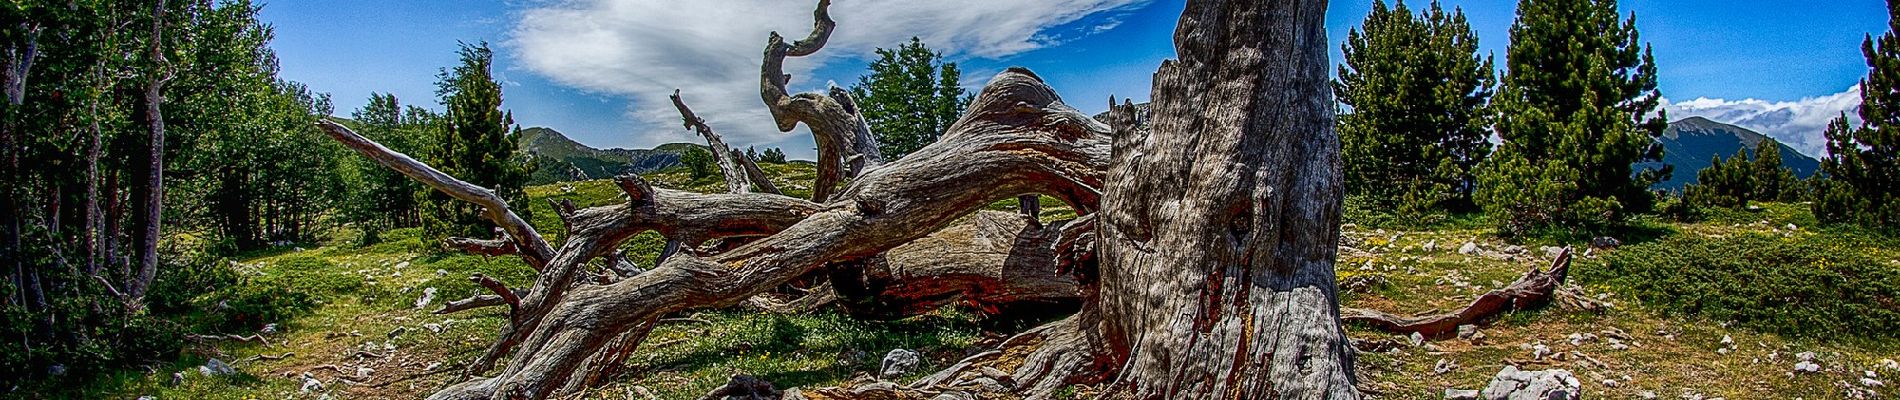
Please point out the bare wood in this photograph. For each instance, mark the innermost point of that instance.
(1535, 289)
(488, 247)
(987, 260)
(1220, 221)
(836, 126)
(155, 179)
(531, 246)
(476, 301)
(1019, 138)
(501, 290)
(742, 175)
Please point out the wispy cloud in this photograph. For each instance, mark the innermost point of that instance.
(643, 49)
(1798, 124)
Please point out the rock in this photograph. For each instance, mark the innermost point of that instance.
(401, 265)
(1467, 331)
(1609, 383)
(1646, 394)
(428, 296)
(1539, 351)
(1792, 227)
(1430, 246)
(1513, 384)
(1552, 251)
(1728, 341)
(433, 327)
(1605, 242)
(311, 384)
(1455, 394)
(1889, 363)
(147, 398)
(1416, 339)
(1468, 249)
(441, 272)
(1805, 356)
(365, 372)
(1444, 366)
(216, 367)
(1578, 339)
(1807, 367)
(268, 329)
(1871, 382)
(899, 362)
(178, 378)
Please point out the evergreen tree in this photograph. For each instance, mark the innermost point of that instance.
(699, 162)
(1728, 184)
(1863, 165)
(1417, 90)
(1772, 182)
(773, 155)
(910, 97)
(475, 142)
(1576, 109)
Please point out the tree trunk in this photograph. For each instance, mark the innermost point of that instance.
(1217, 243)
(155, 177)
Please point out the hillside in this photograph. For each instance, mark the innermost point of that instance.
(1690, 143)
(559, 158)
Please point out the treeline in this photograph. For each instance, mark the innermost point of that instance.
(1573, 116)
(144, 141)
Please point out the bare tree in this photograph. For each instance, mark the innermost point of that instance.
(1203, 254)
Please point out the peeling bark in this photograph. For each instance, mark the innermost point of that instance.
(843, 137)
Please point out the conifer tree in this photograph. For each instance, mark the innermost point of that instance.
(1772, 182)
(1725, 183)
(1417, 91)
(910, 97)
(1863, 165)
(475, 142)
(1576, 109)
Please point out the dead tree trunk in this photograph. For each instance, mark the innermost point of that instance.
(1220, 222)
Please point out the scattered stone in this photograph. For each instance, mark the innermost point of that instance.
(1416, 339)
(1807, 367)
(1430, 246)
(441, 272)
(1455, 394)
(393, 333)
(147, 398)
(1648, 395)
(268, 329)
(869, 389)
(899, 362)
(1467, 331)
(178, 378)
(216, 367)
(1728, 341)
(401, 265)
(1609, 383)
(428, 296)
(1552, 251)
(432, 366)
(311, 384)
(1792, 227)
(433, 327)
(365, 372)
(1540, 351)
(1578, 339)
(954, 395)
(1605, 242)
(1513, 384)
(1871, 382)
(1443, 366)
(1805, 356)
(1468, 249)
(1889, 363)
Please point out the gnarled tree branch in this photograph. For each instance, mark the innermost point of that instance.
(742, 175)
(836, 126)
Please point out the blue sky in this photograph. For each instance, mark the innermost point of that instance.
(599, 70)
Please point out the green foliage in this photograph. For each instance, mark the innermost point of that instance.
(910, 97)
(1862, 184)
(699, 162)
(474, 141)
(1575, 111)
(1772, 181)
(1817, 286)
(1728, 184)
(772, 155)
(1417, 124)
(381, 198)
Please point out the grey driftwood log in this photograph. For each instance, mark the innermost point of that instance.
(1203, 257)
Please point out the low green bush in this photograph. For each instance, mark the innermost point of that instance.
(1820, 286)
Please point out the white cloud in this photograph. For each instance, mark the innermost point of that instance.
(643, 49)
(1798, 124)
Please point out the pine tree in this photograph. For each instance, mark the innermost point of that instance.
(1863, 166)
(474, 141)
(1772, 182)
(910, 97)
(699, 162)
(773, 155)
(1417, 90)
(1576, 109)
(1725, 183)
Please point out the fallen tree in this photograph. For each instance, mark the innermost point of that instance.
(1202, 260)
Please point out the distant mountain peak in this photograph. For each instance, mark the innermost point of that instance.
(1690, 143)
(559, 158)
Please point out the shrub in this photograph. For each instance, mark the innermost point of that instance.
(1817, 286)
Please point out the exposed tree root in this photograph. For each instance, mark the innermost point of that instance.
(1536, 288)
